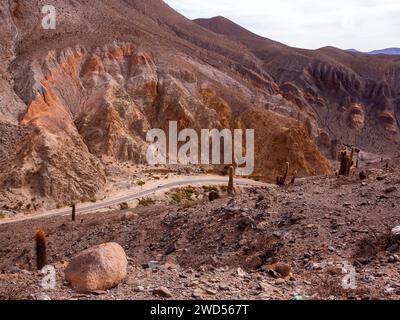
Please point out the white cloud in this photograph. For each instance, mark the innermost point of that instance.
(362, 24)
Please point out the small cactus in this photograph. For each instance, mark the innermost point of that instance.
(294, 178)
(74, 212)
(346, 162)
(281, 180)
(231, 188)
(41, 252)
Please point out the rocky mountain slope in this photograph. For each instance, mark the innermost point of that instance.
(230, 248)
(90, 90)
(347, 97)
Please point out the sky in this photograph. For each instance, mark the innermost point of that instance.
(364, 25)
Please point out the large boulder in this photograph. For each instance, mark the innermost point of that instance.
(98, 268)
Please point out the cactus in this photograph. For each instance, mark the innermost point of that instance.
(231, 188)
(346, 162)
(294, 178)
(74, 212)
(281, 181)
(41, 254)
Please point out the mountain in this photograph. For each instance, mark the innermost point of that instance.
(346, 97)
(76, 102)
(389, 51)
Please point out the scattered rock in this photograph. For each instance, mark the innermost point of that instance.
(396, 231)
(153, 265)
(213, 195)
(162, 292)
(241, 273)
(97, 268)
(224, 287)
(279, 269)
(171, 248)
(246, 222)
(211, 292)
(390, 190)
(140, 289)
(363, 175)
(198, 293)
(99, 292)
(40, 297)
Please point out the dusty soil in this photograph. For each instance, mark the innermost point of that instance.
(222, 249)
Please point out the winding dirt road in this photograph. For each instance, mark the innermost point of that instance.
(134, 195)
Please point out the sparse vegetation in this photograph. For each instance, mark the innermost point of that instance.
(41, 250)
(346, 162)
(281, 180)
(146, 202)
(124, 206)
(210, 188)
(183, 194)
(140, 183)
(231, 188)
(73, 212)
(187, 204)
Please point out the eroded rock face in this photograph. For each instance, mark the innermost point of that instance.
(80, 94)
(98, 268)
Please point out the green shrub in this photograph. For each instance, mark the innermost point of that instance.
(146, 202)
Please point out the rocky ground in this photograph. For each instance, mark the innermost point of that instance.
(265, 243)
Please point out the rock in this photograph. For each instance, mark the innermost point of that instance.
(139, 289)
(171, 248)
(363, 175)
(246, 222)
(99, 292)
(280, 269)
(266, 287)
(224, 287)
(211, 292)
(40, 297)
(396, 232)
(241, 273)
(153, 265)
(162, 292)
(198, 293)
(129, 216)
(390, 190)
(98, 268)
(277, 234)
(213, 195)
(15, 269)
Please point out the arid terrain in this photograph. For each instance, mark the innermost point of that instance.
(76, 103)
(185, 247)
(79, 97)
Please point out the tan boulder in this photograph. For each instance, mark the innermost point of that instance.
(98, 268)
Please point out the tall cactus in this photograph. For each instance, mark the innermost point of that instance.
(231, 188)
(41, 251)
(281, 180)
(346, 162)
(73, 212)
